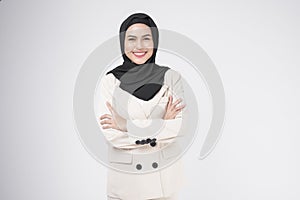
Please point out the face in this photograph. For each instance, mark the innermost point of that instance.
(138, 44)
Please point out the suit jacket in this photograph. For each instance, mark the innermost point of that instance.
(126, 155)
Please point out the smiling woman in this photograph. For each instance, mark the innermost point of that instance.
(135, 94)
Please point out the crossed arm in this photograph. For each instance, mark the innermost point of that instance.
(115, 127)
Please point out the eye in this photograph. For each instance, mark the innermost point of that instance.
(147, 38)
(131, 39)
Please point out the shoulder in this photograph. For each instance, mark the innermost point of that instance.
(172, 76)
(109, 80)
(172, 73)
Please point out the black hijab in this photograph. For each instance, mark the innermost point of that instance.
(141, 80)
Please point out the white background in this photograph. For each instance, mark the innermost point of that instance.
(253, 44)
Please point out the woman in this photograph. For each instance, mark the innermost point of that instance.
(149, 92)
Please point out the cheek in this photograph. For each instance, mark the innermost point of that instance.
(148, 44)
(150, 52)
(128, 46)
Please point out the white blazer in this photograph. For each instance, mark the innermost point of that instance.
(157, 184)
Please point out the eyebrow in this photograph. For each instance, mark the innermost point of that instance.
(146, 35)
(142, 36)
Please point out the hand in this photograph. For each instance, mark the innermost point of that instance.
(171, 109)
(113, 120)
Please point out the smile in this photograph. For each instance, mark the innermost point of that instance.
(139, 54)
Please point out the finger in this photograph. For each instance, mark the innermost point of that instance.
(177, 101)
(106, 127)
(108, 116)
(176, 110)
(173, 106)
(170, 101)
(174, 114)
(180, 107)
(106, 122)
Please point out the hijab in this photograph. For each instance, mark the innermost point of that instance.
(145, 80)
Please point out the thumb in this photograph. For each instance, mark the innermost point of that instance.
(110, 107)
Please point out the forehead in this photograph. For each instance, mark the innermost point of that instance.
(138, 29)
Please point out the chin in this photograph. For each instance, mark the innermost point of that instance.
(139, 62)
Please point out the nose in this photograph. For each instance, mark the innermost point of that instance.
(139, 44)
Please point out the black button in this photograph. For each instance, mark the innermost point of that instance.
(153, 144)
(154, 139)
(143, 142)
(148, 140)
(137, 142)
(154, 165)
(138, 166)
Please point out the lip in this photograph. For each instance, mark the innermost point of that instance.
(139, 54)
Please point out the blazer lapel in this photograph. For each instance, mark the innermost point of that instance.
(148, 106)
(136, 108)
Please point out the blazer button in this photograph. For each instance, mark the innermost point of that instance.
(137, 142)
(143, 142)
(138, 166)
(148, 140)
(154, 139)
(153, 144)
(154, 165)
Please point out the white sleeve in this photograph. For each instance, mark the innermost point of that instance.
(118, 139)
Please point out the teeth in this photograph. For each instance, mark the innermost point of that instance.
(139, 53)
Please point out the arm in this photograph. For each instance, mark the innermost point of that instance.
(119, 139)
(169, 129)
